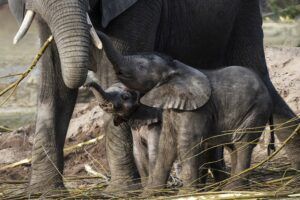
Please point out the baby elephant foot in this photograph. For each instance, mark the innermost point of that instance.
(187, 191)
(236, 185)
(150, 193)
(124, 186)
(153, 189)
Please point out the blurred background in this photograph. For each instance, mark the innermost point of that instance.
(281, 27)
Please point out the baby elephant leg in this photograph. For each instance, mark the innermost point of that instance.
(141, 158)
(244, 141)
(217, 163)
(213, 159)
(165, 158)
(188, 150)
(153, 142)
(242, 153)
(239, 177)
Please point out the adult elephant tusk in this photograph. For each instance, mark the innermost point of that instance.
(24, 26)
(96, 40)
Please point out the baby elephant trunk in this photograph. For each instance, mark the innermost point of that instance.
(101, 96)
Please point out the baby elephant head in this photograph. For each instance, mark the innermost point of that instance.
(117, 99)
(166, 83)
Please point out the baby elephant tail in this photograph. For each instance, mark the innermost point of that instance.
(271, 145)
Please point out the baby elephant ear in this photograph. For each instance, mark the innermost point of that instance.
(188, 89)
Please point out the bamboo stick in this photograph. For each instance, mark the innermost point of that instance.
(14, 85)
(67, 151)
(5, 129)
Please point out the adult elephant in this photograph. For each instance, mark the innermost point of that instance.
(200, 33)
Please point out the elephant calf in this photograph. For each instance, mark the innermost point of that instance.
(145, 122)
(198, 105)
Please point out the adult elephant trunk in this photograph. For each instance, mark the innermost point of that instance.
(67, 21)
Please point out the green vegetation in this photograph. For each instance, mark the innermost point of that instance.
(281, 8)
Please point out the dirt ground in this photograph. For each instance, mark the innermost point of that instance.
(88, 120)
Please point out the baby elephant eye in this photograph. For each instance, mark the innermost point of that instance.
(125, 96)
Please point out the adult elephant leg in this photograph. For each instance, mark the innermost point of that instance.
(55, 106)
(119, 151)
(286, 121)
(246, 48)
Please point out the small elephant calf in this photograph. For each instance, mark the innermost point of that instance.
(199, 105)
(145, 122)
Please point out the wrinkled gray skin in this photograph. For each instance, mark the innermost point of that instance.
(203, 34)
(145, 123)
(198, 105)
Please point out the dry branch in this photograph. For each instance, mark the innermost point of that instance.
(67, 151)
(5, 129)
(225, 182)
(92, 172)
(14, 85)
(230, 195)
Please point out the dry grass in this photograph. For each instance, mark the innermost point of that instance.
(271, 178)
(13, 87)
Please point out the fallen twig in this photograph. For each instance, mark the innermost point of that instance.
(91, 171)
(14, 85)
(229, 195)
(67, 151)
(5, 129)
(225, 182)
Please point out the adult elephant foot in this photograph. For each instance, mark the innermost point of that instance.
(40, 184)
(119, 151)
(47, 155)
(51, 191)
(285, 126)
